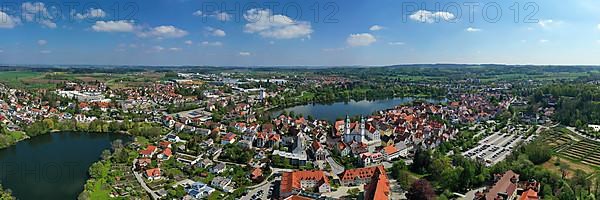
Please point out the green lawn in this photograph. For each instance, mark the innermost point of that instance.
(98, 192)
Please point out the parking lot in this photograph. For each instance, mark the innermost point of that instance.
(266, 191)
(494, 148)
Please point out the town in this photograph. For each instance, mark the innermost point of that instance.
(229, 135)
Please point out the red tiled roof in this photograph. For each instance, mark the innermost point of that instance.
(316, 145)
(228, 136)
(504, 185)
(153, 172)
(164, 144)
(379, 187)
(257, 172)
(297, 197)
(361, 173)
(529, 195)
(167, 152)
(290, 181)
(389, 150)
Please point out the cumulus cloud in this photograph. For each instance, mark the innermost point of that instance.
(92, 13)
(42, 42)
(188, 42)
(426, 16)
(163, 32)
(174, 49)
(264, 23)
(37, 12)
(245, 53)
(222, 16)
(360, 39)
(198, 13)
(212, 44)
(544, 41)
(376, 28)
(7, 21)
(114, 26)
(216, 32)
(471, 29)
(598, 26)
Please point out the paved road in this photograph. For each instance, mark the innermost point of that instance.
(335, 167)
(140, 179)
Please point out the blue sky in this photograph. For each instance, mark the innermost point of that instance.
(299, 32)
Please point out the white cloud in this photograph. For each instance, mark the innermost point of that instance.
(188, 42)
(45, 51)
(222, 16)
(360, 39)
(216, 32)
(245, 53)
(263, 22)
(426, 16)
(598, 41)
(90, 14)
(7, 21)
(598, 27)
(549, 23)
(42, 42)
(471, 29)
(396, 43)
(212, 44)
(164, 32)
(37, 12)
(158, 48)
(198, 13)
(174, 49)
(376, 28)
(113, 26)
(544, 41)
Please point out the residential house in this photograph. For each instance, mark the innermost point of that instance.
(148, 152)
(368, 159)
(199, 190)
(165, 154)
(222, 183)
(153, 174)
(256, 174)
(318, 152)
(228, 138)
(219, 168)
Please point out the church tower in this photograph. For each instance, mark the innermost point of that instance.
(347, 130)
(362, 128)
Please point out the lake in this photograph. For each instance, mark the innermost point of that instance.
(52, 166)
(331, 112)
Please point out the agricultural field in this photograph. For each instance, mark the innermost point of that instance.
(49, 80)
(18, 78)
